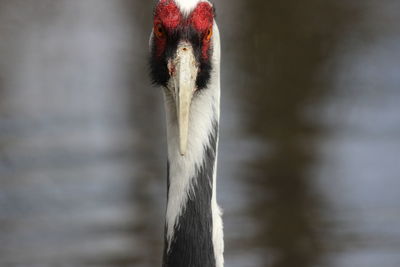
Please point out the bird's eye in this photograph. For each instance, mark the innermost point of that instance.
(159, 31)
(209, 34)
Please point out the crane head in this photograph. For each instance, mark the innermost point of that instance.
(181, 51)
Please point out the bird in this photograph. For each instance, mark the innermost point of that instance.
(185, 57)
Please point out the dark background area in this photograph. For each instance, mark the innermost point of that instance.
(309, 156)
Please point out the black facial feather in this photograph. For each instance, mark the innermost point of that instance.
(204, 74)
(158, 69)
(158, 63)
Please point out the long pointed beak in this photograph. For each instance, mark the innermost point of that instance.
(184, 75)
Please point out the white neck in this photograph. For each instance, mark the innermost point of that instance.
(204, 117)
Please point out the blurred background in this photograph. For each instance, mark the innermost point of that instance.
(309, 157)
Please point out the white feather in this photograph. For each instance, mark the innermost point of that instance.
(218, 234)
(186, 6)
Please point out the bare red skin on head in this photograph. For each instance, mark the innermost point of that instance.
(168, 13)
(202, 20)
(169, 16)
(202, 17)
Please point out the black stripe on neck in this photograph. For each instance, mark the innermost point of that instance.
(192, 244)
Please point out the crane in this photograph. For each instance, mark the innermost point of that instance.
(185, 63)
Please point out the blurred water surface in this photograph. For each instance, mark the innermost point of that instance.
(309, 157)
